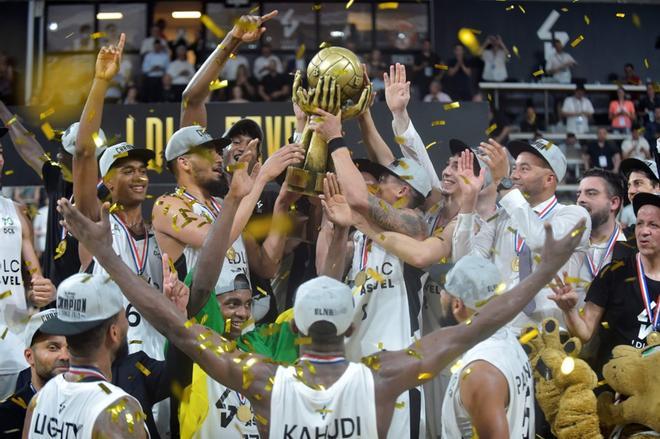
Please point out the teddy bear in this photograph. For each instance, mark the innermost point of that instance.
(634, 375)
(563, 383)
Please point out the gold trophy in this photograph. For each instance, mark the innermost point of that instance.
(336, 81)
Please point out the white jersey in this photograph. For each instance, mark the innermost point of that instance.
(387, 317)
(141, 335)
(235, 260)
(69, 410)
(346, 409)
(12, 290)
(230, 414)
(503, 351)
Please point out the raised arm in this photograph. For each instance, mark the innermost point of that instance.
(332, 244)
(27, 146)
(248, 29)
(377, 149)
(85, 167)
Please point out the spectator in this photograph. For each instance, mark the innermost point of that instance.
(436, 94)
(635, 146)
(274, 86)
(571, 146)
(168, 92)
(6, 79)
(424, 67)
(602, 154)
(629, 75)
(201, 47)
(642, 177)
(180, 71)
(84, 42)
(499, 123)
(646, 110)
(559, 64)
(577, 110)
(131, 95)
(531, 122)
(237, 95)
(247, 83)
(154, 67)
(458, 80)
(179, 40)
(230, 70)
(265, 63)
(149, 44)
(376, 66)
(622, 112)
(495, 55)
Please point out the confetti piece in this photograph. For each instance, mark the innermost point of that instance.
(441, 66)
(636, 21)
(431, 144)
(48, 131)
(587, 20)
(316, 7)
(400, 140)
(388, 5)
(300, 52)
(142, 368)
(564, 9)
(303, 341)
(5, 294)
(528, 336)
(521, 8)
(216, 84)
(452, 106)
(577, 231)
(261, 419)
(467, 371)
(646, 63)
(47, 113)
(11, 121)
(97, 35)
(577, 41)
(437, 123)
(539, 72)
(399, 405)
(349, 4)
(516, 51)
(510, 8)
(413, 353)
(375, 275)
(324, 44)
(4, 333)
(116, 207)
(210, 25)
(98, 141)
(69, 36)
(9, 172)
(135, 342)
(372, 362)
(567, 365)
(606, 325)
(456, 366)
(19, 402)
(400, 203)
(620, 15)
(105, 388)
(490, 129)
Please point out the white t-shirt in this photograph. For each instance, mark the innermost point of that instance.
(562, 76)
(577, 124)
(438, 97)
(636, 149)
(180, 71)
(231, 67)
(494, 65)
(262, 62)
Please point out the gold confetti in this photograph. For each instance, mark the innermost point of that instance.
(300, 52)
(620, 15)
(467, 371)
(452, 106)
(4, 333)
(142, 368)
(47, 113)
(97, 35)
(9, 172)
(437, 123)
(216, 84)
(606, 325)
(11, 121)
(516, 51)
(261, 419)
(316, 7)
(491, 128)
(399, 405)
(528, 336)
(400, 140)
(441, 66)
(375, 275)
(509, 8)
(539, 72)
(456, 366)
(19, 402)
(636, 21)
(577, 231)
(581, 311)
(349, 4)
(400, 203)
(324, 44)
(105, 388)
(116, 207)
(424, 376)
(135, 342)
(567, 365)
(210, 25)
(48, 131)
(431, 144)
(372, 362)
(303, 341)
(5, 294)
(69, 35)
(587, 20)
(521, 9)
(577, 41)
(413, 353)
(388, 5)
(646, 63)
(564, 9)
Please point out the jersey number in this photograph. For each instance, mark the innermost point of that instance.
(132, 316)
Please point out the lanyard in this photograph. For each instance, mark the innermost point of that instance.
(646, 295)
(519, 241)
(593, 269)
(212, 211)
(139, 261)
(364, 253)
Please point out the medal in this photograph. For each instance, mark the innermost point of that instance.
(515, 264)
(244, 414)
(360, 279)
(60, 249)
(231, 253)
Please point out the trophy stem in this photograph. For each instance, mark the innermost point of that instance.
(309, 179)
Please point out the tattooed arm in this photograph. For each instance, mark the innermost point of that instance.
(407, 221)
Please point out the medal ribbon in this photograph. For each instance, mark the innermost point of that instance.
(593, 269)
(518, 241)
(87, 370)
(646, 295)
(139, 261)
(366, 245)
(329, 359)
(213, 211)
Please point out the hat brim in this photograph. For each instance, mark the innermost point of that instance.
(644, 198)
(516, 147)
(56, 326)
(142, 154)
(632, 164)
(375, 169)
(457, 146)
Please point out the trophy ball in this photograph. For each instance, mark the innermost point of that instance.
(341, 64)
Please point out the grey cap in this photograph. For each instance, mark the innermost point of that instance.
(323, 299)
(632, 164)
(187, 138)
(545, 149)
(34, 324)
(70, 135)
(123, 150)
(413, 174)
(474, 280)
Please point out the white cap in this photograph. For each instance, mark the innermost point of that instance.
(187, 138)
(474, 280)
(70, 135)
(632, 164)
(120, 151)
(413, 174)
(84, 301)
(34, 324)
(545, 149)
(323, 299)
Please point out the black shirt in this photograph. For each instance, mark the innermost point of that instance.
(607, 151)
(617, 290)
(459, 86)
(273, 83)
(148, 390)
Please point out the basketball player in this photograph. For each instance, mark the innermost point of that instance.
(82, 402)
(21, 284)
(324, 394)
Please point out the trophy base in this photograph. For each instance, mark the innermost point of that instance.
(305, 182)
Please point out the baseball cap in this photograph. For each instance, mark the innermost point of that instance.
(366, 165)
(34, 324)
(241, 282)
(644, 198)
(457, 146)
(243, 126)
(323, 299)
(84, 301)
(545, 149)
(70, 135)
(474, 280)
(120, 151)
(632, 164)
(187, 138)
(411, 173)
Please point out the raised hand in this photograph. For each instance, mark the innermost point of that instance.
(93, 235)
(43, 291)
(362, 105)
(241, 180)
(327, 126)
(469, 183)
(334, 203)
(397, 89)
(281, 159)
(496, 158)
(109, 60)
(557, 251)
(565, 295)
(249, 28)
(173, 288)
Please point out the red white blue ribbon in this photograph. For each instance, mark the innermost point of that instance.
(593, 268)
(364, 254)
(213, 211)
(140, 261)
(518, 241)
(646, 295)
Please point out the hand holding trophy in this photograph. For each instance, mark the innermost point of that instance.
(336, 82)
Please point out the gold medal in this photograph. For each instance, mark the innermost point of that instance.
(244, 414)
(60, 249)
(231, 253)
(515, 264)
(360, 279)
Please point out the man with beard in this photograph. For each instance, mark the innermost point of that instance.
(60, 258)
(47, 356)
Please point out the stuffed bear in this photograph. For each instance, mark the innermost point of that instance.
(563, 383)
(635, 375)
